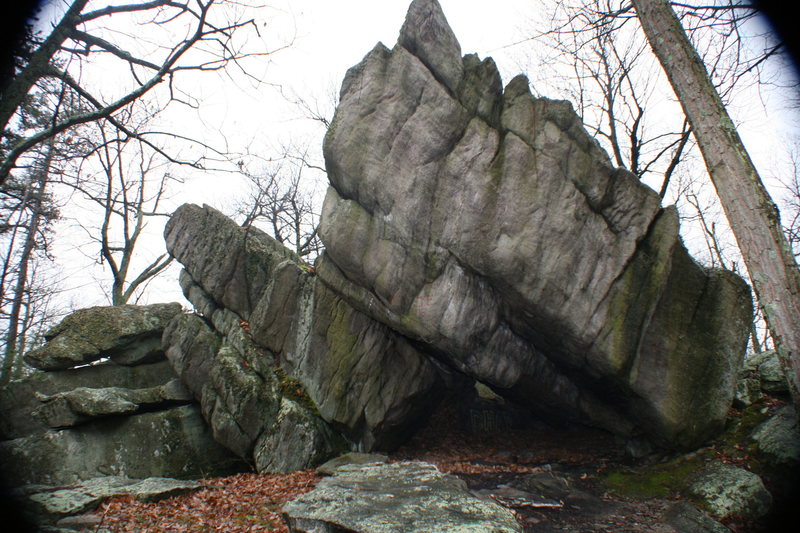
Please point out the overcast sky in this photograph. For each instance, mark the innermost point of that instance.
(325, 38)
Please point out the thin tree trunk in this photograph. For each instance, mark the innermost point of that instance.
(38, 182)
(752, 214)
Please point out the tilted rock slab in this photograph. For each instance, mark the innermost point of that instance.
(363, 379)
(488, 226)
(412, 497)
(127, 334)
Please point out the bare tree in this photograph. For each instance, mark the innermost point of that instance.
(752, 214)
(602, 65)
(280, 200)
(127, 181)
(198, 35)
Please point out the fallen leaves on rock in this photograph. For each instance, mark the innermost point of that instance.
(234, 504)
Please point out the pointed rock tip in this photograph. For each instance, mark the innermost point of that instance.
(427, 34)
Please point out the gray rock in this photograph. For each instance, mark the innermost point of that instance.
(507, 244)
(231, 264)
(367, 381)
(243, 399)
(778, 439)
(428, 36)
(127, 334)
(364, 379)
(727, 490)
(766, 368)
(171, 443)
(56, 503)
(66, 409)
(394, 497)
(748, 391)
(20, 398)
(352, 458)
(298, 440)
(686, 518)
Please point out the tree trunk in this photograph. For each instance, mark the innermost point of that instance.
(38, 182)
(751, 213)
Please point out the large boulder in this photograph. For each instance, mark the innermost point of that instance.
(489, 228)
(365, 380)
(127, 334)
(410, 497)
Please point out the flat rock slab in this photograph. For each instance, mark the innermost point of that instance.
(90, 494)
(67, 409)
(408, 496)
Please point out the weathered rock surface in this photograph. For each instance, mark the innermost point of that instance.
(365, 380)
(169, 443)
(66, 409)
(409, 497)
(728, 490)
(778, 439)
(243, 399)
(487, 226)
(58, 502)
(20, 398)
(760, 374)
(127, 334)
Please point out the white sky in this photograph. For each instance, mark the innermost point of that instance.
(327, 37)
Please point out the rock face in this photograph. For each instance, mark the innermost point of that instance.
(134, 419)
(360, 377)
(21, 398)
(410, 497)
(83, 404)
(489, 228)
(170, 443)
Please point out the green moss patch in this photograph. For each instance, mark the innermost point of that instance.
(293, 389)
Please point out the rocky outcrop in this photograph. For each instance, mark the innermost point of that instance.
(169, 443)
(135, 420)
(489, 228)
(20, 399)
(127, 334)
(279, 323)
(242, 397)
(409, 496)
(67, 409)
